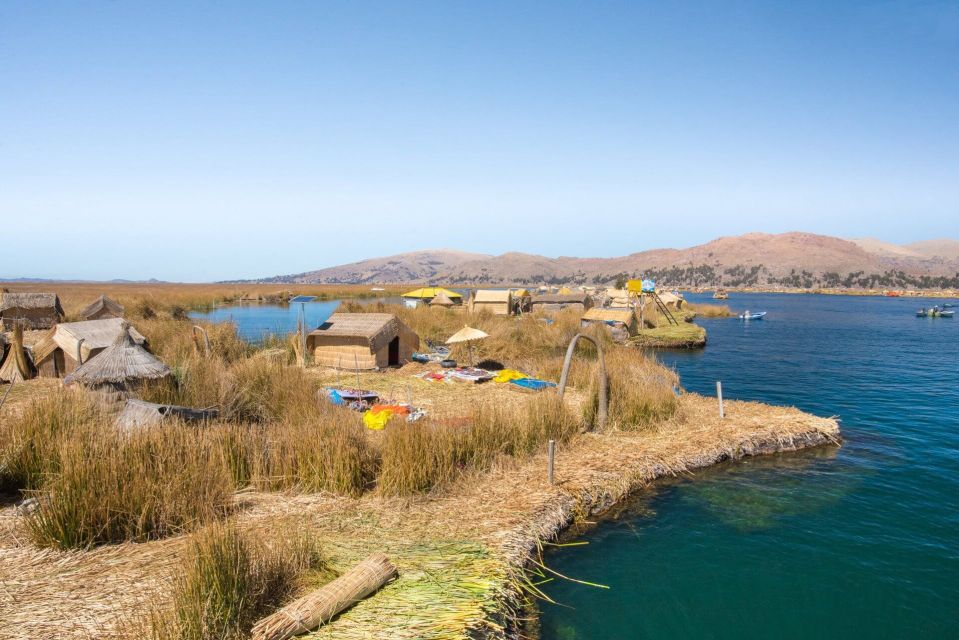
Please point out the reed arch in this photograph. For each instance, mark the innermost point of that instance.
(603, 408)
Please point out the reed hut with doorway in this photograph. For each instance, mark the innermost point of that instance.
(362, 341)
(497, 302)
(70, 344)
(120, 368)
(621, 323)
(102, 307)
(560, 301)
(35, 310)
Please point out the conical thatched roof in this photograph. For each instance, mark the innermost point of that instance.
(441, 300)
(15, 367)
(101, 304)
(121, 362)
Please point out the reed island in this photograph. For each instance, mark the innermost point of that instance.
(163, 478)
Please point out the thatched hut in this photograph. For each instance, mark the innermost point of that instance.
(102, 307)
(672, 300)
(425, 295)
(120, 366)
(362, 341)
(70, 344)
(560, 301)
(35, 310)
(497, 302)
(442, 300)
(619, 298)
(621, 323)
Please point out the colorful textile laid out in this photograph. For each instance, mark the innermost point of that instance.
(506, 375)
(355, 399)
(379, 414)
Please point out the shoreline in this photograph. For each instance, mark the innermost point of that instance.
(468, 548)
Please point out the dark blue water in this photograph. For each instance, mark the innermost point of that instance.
(857, 542)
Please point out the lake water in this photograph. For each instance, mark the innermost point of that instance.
(856, 542)
(255, 322)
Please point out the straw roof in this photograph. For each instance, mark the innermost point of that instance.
(100, 304)
(30, 301)
(441, 300)
(377, 328)
(626, 316)
(492, 295)
(668, 297)
(428, 293)
(122, 361)
(95, 334)
(467, 334)
(15, 367)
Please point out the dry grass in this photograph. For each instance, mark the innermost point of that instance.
(30, 441)
(704, 310)
(229, 579)
(111, 487)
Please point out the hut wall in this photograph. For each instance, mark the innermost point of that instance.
(345, 352)
(44, 318)
(59, 364)
(496, 308)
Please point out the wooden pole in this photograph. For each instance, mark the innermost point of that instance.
(719, 395)
(551, 449)
(303, 333)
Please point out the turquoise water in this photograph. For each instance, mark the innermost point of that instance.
(856, 542)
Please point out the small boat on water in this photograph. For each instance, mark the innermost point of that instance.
(720, 295)
(752, 316)
(935, 312)
(947, 305)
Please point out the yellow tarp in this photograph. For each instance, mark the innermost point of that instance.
(509, 374)
(376, 420)
(428, 293)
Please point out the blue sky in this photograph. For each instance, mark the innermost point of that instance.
(201, 141)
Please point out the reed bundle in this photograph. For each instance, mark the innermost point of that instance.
(319, 607)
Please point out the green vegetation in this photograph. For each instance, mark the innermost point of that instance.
(685, 335)
(229, 580)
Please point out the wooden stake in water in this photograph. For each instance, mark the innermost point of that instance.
(551, 449)
(719, 394)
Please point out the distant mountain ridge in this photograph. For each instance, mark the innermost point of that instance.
(793, 259)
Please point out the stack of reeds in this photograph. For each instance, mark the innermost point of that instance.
(319, 607)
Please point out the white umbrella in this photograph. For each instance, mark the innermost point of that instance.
(467, 335)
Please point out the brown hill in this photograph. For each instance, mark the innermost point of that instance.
(788, 259)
